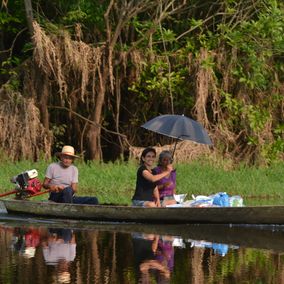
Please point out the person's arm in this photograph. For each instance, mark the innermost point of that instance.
(153, 264)
(74, 186)
(164, 185)
(171, 183)
(155, 243)
(154, 178)
(157, 196)
(173, 173)
(75, 179)
(52, 187)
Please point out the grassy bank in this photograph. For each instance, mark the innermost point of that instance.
(114, 183)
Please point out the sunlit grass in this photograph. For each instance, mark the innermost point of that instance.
(115, 182)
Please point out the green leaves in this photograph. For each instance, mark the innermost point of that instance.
(6, 18)
(257, 117)
(75, 16)
(59, 131)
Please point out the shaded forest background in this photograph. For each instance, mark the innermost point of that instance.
(90, 73)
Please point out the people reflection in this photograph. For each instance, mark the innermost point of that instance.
(59, 249)
(154, 257)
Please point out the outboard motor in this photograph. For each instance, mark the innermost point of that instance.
(27, 184)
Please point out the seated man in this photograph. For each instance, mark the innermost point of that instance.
(61, 179)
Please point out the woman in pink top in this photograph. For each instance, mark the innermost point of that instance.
(166, 185)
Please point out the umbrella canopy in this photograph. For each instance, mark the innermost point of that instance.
(178, 127)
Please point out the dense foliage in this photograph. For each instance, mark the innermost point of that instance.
(97, 70)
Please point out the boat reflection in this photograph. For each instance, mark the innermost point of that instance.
(270, 237)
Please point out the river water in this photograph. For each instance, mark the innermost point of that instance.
(46, 251)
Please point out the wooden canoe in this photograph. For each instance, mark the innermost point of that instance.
(209, 215)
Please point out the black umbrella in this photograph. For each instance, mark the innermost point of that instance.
(179, 127)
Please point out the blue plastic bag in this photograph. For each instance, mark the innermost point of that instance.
(221, 199)
(221, 249)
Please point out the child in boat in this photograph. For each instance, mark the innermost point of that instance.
(166, 185)
(61, 179)
(146, 192)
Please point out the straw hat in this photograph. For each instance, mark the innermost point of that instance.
(68, 151)
(64, 277)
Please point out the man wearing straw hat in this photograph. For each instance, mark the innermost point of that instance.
(61, 179)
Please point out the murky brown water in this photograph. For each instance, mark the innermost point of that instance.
(46, 252)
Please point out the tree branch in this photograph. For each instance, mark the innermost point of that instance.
(92, 122)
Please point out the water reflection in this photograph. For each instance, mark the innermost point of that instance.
(154, 255)
(59, 250)
(25, 240)
(217, 248)
(56, 245)
(101, 253)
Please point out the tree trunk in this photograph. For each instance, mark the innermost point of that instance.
(3, 56)
(94, 133)
(29, 15)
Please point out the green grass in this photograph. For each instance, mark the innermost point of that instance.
(115, 182)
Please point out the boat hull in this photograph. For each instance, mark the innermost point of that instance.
(209, 215)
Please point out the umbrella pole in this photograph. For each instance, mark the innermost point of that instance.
(174, 149)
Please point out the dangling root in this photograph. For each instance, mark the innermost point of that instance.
(22, 136)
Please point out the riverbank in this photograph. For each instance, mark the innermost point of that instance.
(115, 182)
